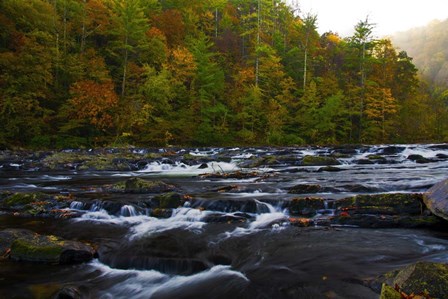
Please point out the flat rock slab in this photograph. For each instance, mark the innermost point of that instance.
(436, 199)
(25, 245)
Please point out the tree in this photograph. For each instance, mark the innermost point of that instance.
(363, 42)
(131, 25)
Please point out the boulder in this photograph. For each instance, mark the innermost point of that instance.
(436, 199)
(25, 245)
(421, 278)
(170, 200)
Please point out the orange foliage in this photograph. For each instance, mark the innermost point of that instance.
(182, 64)
(171, 23)
(93, 102)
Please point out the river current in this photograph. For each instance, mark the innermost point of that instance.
(186, 256)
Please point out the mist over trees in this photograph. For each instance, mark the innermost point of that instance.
(156, 73)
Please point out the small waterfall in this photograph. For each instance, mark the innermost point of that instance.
(128, 211)
(96, 207)
(76, 205)
(263, 207)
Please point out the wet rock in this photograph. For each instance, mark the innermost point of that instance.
(386, 221)
(419, 159)
(25, 245)
(301, 222)
(203, 166)
(161, 213)
(436, 199)
(35, 204)
(141, 186)
(421, 278)
(359, 188)
(306, 206)
(329, 169)
(227, 218)
(392, 150)
(170, 200)
(365, 162)
(227, 206)
(319, 161)
(389, 203)
(69, 292)
(305, 189)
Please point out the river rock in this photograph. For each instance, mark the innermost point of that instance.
(141, 186)
(388, 203)
(25, 245)
(319, 161)
(36, 204)
(170, 200)
(420, 278)
(306, 206)
(419, 159)
(436, 199)
(305, 188)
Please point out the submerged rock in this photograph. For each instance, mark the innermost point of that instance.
(436, 199)
(25, 245)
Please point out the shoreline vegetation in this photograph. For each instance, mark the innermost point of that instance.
(154, 73)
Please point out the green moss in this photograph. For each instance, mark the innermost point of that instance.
(34, 251)
(44, 291)
(19, 199)
(169, 200)
(424, 277)
(319, 161)
(388, 292)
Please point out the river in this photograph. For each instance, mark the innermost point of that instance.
(188, 256)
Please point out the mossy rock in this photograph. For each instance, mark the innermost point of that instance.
(424, 277)
(388, 292)
(389, 203)
(141, 186)
(319, 161)
(305, 188)
(36, 251)
(161, 213)
(21, 199)
(306, 206)
(28, 246)
(170, 200)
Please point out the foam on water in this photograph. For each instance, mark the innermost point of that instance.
(150, 283)
(183, 169)
(182, 218)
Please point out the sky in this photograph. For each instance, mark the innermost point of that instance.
(390, 16)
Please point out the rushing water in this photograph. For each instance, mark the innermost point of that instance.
(188, 256)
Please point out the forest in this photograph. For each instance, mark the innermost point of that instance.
(82, 73)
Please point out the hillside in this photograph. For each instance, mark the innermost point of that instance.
(428, 46)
